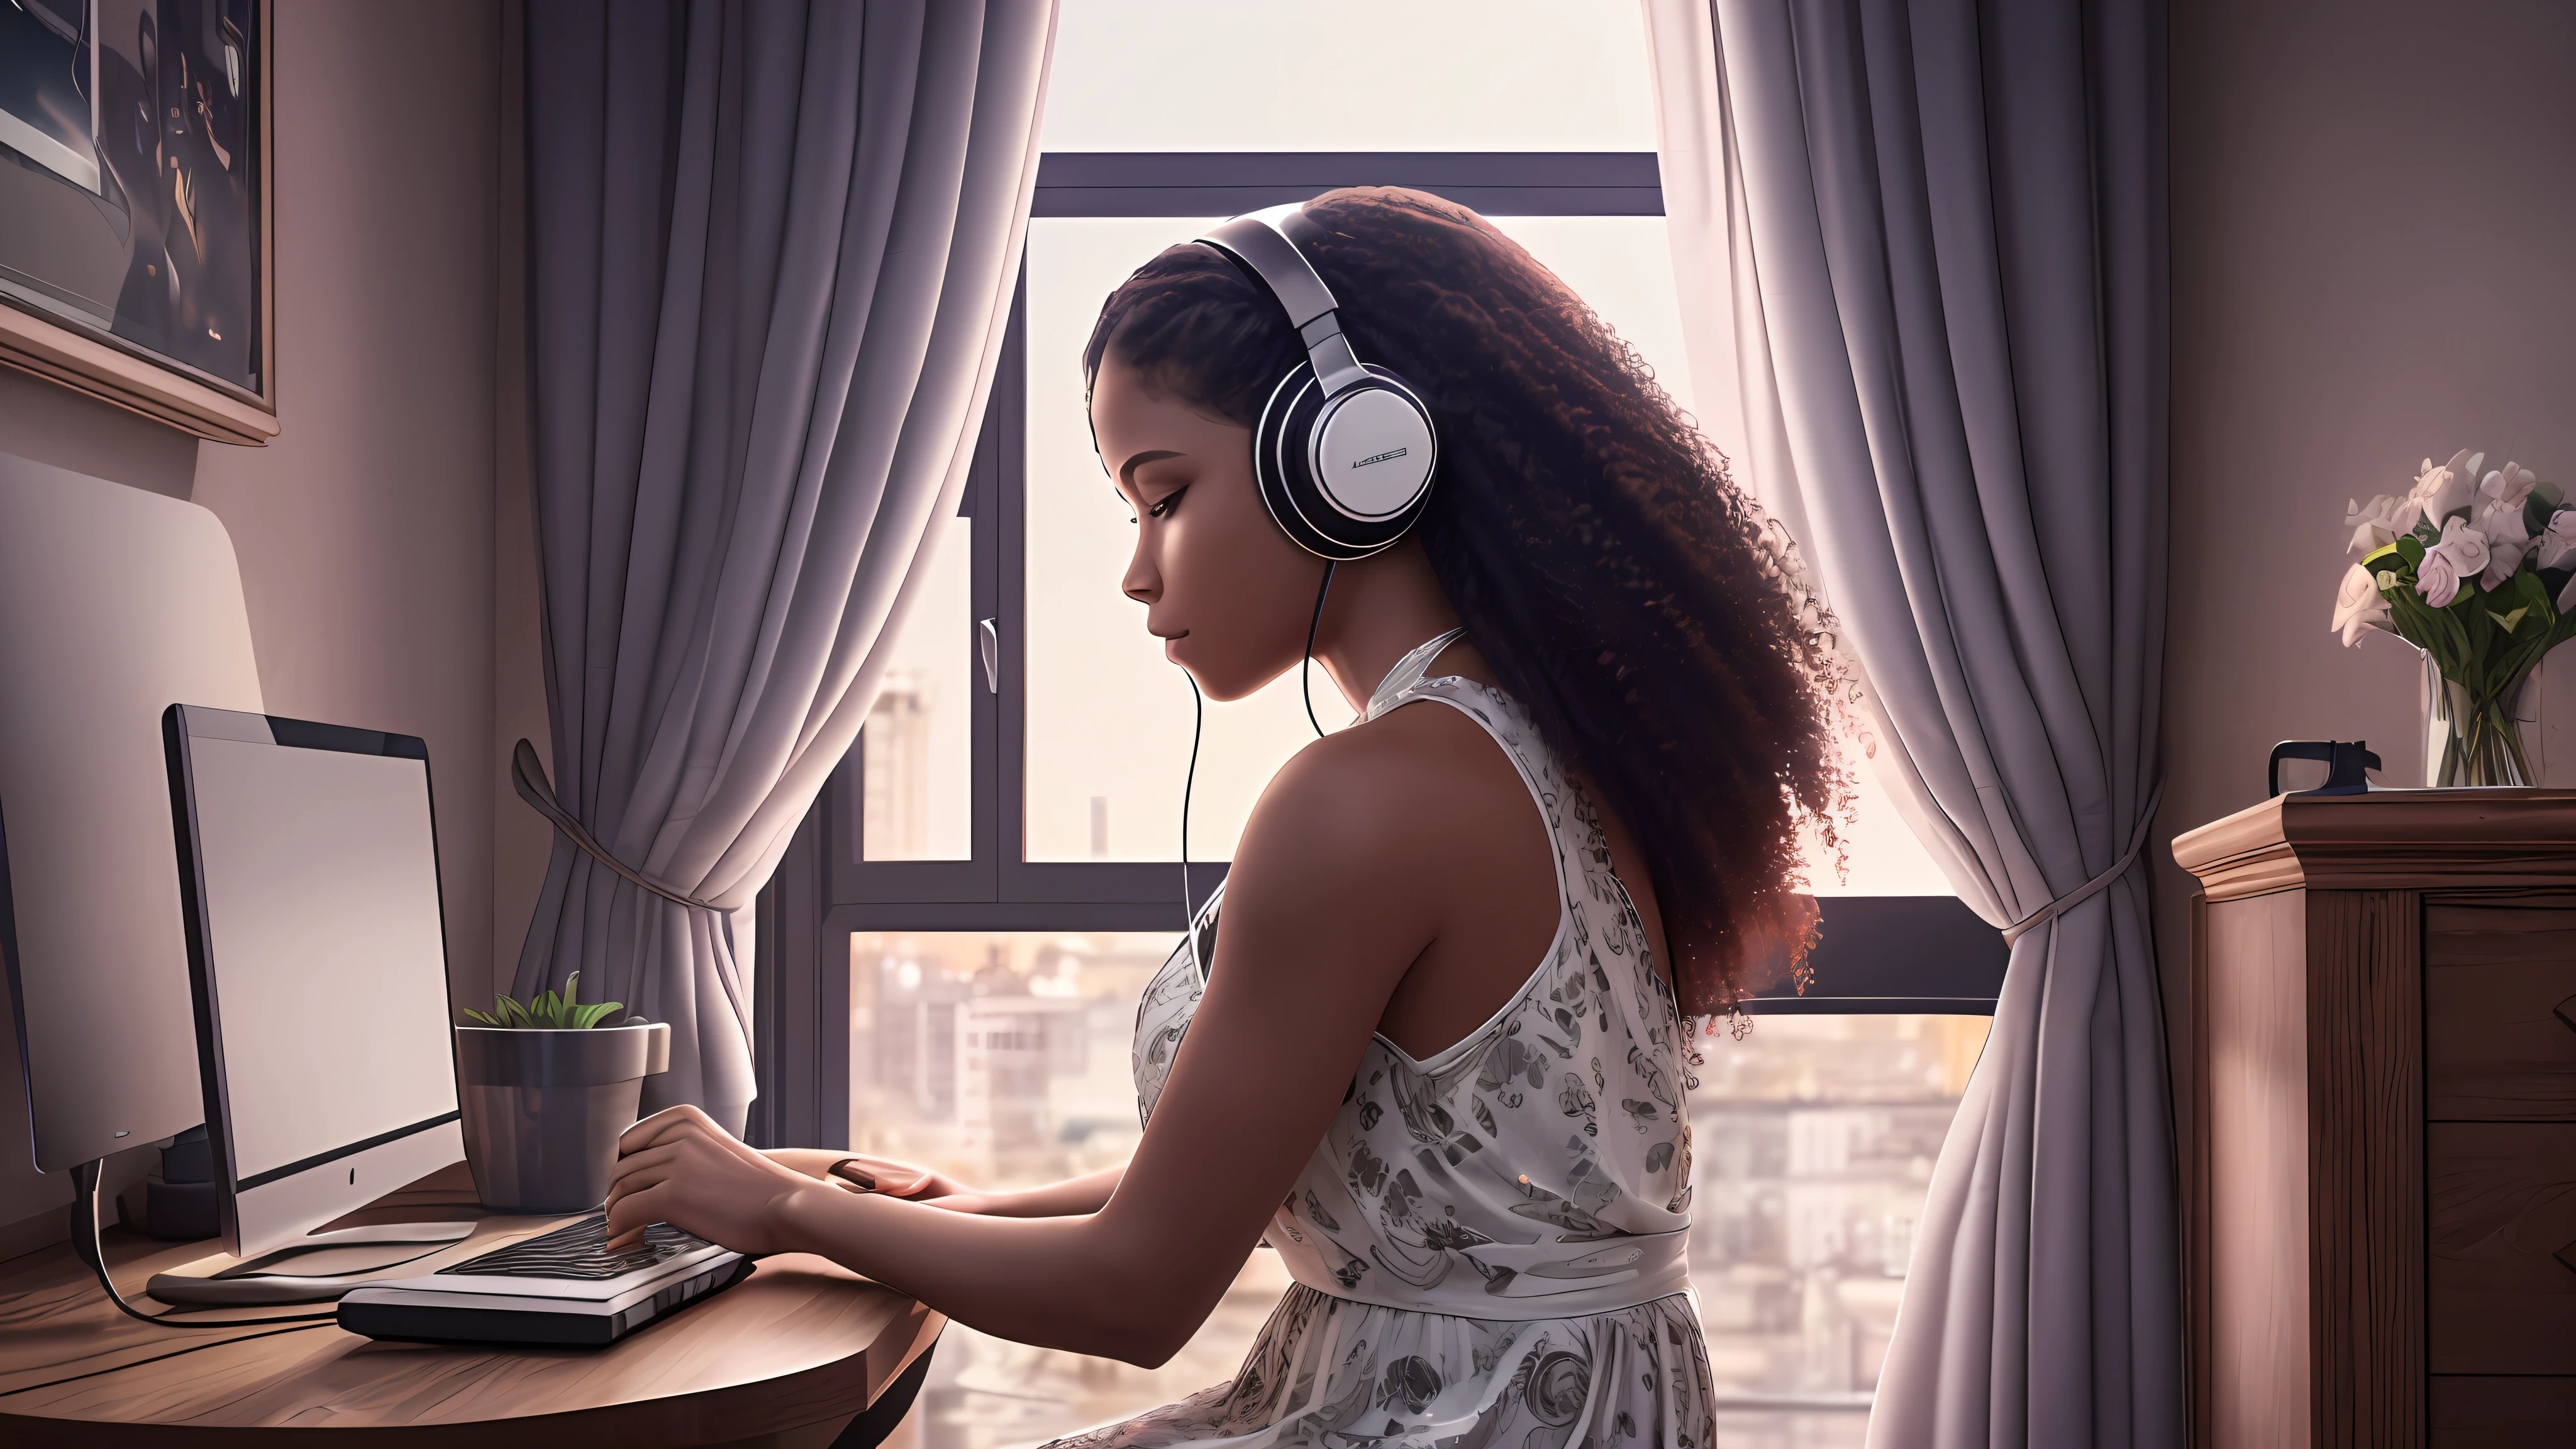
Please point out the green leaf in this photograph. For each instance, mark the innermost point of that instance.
(2411, 549)
(547, 1011)
(2463, 648)
(2509, 622)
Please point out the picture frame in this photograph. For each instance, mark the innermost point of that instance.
(137, 237)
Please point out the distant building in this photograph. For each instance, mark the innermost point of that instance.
(972, 1072)
(894, 750)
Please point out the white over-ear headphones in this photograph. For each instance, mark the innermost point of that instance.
(1345, 452)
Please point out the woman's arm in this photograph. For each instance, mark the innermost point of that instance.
(1073, 1197)
(916, 1183)
(1263, 1068)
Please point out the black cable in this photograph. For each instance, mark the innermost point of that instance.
(1189, 782)
(156, 1358)
(92, 1247)
(1189, 912)
(1303, 693)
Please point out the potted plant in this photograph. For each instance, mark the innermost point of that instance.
(2479, 574)
(547, 1086)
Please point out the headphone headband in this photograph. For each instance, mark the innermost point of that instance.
(1259, 242)
(1344, 452)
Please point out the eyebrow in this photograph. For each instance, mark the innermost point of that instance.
(1127, 470)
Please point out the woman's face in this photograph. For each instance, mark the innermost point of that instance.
(1228, 594)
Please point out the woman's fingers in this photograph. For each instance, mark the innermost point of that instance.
(665, 1123)
(688, 1180)
(641, 1169)
(696, 1177)
(640, 1172)
(683, 1123)
(629, 1216)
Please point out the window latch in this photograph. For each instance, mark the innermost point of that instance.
(988, 643)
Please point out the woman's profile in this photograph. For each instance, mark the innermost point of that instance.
(1434, 1047)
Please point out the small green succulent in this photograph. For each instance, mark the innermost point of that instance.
(547, 1011)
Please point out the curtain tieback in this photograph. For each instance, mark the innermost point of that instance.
(528, 773)
(2086, 891)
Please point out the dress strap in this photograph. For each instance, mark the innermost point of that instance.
(1408, 672)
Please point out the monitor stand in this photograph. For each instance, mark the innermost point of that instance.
(358, 1254)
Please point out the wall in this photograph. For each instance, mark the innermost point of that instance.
(2372, 202)
(366, 531)
(521, 838)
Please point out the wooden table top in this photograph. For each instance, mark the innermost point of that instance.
(800, 1345)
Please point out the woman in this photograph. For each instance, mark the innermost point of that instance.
(1436, 1056)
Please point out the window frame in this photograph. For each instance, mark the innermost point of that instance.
(1879, 954)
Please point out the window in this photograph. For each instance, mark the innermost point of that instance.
(992, 875)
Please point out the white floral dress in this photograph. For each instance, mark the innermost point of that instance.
(1489, 1246)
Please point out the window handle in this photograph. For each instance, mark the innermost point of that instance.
(988, 642)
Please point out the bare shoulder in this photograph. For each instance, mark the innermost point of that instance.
(1374, 805)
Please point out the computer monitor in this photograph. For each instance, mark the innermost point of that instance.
(114, 604)
(308, 865)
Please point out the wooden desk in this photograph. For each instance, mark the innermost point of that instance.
(784, 1358)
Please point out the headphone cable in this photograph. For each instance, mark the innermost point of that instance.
(1189, 910)
(1306, 696)
(1189, 782)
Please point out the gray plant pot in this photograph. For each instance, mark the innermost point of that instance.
(543, 1109)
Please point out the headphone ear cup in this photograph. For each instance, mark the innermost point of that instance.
(1284, 449)
(1281, 470)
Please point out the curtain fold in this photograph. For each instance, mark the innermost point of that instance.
(1929, 240)
(772, 249)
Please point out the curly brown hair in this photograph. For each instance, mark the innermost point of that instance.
(1621, 586)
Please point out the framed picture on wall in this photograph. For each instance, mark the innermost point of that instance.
(134, 207)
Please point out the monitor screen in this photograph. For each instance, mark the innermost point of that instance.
(321, 960)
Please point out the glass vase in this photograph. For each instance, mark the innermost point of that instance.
(2469, 741)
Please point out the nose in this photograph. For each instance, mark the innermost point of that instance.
(1144, 580)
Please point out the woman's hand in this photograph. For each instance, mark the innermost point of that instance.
(678, 1167)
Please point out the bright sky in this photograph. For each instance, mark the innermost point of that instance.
(1349, 75)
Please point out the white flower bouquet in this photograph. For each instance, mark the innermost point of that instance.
(2479, 573)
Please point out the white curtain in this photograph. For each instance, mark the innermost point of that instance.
(1928, 242)
(772, 251)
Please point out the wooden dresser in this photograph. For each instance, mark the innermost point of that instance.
(2381, 1167)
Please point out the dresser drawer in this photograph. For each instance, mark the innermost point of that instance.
(2495, 1049)
(2501, 1199)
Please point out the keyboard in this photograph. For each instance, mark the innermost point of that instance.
(580, 1252)
(560, 1287)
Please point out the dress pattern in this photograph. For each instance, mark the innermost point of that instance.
(1488, 1245)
